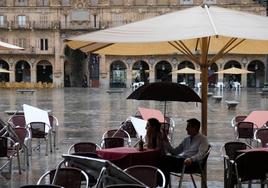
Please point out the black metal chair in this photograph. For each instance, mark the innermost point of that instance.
(54, 124)
(40, 130)
(245, 130)
(147, 174)
(261, 136)
(229, 152)
(83, 147)
(8, 150)
(41, 186)
(196, 168)
(67, 177)
(125, 185)
(117, 133)
(251, 166)
(113, 142)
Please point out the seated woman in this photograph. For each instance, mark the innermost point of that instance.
(155, 137)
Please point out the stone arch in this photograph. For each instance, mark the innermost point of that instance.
(140, 72)
(4, 77)
(22, 71)
(162, 70)
(44, 71)
(232, 77)
(188, 79)
(256, 79)
(118, 74)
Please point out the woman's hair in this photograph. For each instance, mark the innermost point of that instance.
(156, 125)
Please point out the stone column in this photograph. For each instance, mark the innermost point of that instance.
(104, 72)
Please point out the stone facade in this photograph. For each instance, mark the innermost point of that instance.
(41, 26)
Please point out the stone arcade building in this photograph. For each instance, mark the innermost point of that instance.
(40, 26)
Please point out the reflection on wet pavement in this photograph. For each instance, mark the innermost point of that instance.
(85, 114)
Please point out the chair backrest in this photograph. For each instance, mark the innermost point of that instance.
(252, 166)
(67, 177)
(129, 128)
(113, 142)
(237, 119)
(83, 147)
(41, 186)
(231, 149)
(147, 174)
(38, 129)
(18, 120)
(22, 135)
(3, 146)
(245, 130)
(125, 185)
(117, 133)
(198, 166)
(53, 121)
(262, 136)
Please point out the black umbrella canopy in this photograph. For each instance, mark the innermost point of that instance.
(165, 91)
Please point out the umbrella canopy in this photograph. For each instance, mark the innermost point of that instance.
(186, 70)
(165, 91)
(4, 71)
(205, 36)
(7, 46)
(234, 70)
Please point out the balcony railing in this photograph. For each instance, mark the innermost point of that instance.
(30, 50)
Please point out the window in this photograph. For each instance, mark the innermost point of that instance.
(116, 2)
(186, 2)
(22, 21)
(65, 3)
(2, 20)
(42, 2)
(21, 3)
(22, 42)
(43, 44)
(2, 3)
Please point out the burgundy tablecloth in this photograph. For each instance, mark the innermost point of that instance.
(124, 157)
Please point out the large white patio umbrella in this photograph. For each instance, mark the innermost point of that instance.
(7, 46)
(203, 34)
(186, 70)
(234, 70)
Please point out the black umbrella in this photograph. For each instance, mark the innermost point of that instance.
(165, 91)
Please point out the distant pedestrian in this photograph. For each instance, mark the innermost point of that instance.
(84, 81)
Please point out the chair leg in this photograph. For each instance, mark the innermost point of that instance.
(46, 140)
(194, 181)
(182, 174)
(18, 156)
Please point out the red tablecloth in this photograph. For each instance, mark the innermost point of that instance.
(259, 118)
(129, 156)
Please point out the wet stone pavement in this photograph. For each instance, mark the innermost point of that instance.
(84, 114)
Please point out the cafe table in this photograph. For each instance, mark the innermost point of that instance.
(259, 118)
(124, 157)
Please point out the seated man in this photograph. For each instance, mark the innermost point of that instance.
(191, 149)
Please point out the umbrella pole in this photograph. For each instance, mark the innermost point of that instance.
(204, 93)
(165, 106)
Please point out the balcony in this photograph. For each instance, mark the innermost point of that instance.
(30, 50)
(44, 25)
(20, 25)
